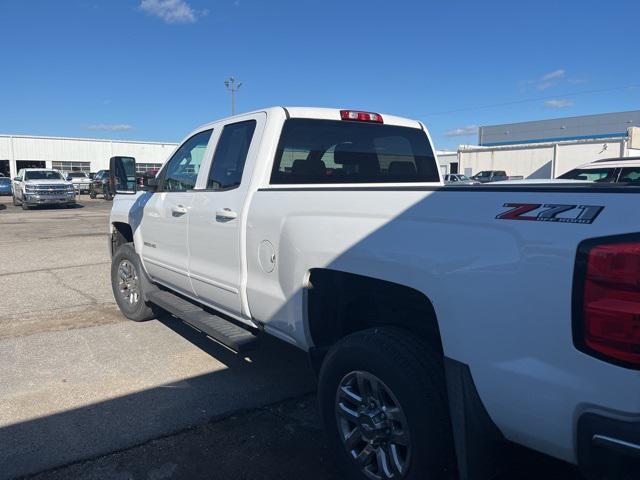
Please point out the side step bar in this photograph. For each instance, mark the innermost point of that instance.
(229, 334)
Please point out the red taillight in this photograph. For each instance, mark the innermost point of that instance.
(610, 310)
(360, 116)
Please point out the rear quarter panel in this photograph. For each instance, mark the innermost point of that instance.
(501, 289)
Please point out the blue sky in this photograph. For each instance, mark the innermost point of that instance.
(154, 69)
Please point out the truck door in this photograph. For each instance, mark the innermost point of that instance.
(166, 215)
(217, 218)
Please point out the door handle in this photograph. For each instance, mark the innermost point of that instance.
(179, 210)
(226, 214)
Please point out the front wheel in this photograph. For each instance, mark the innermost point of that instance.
(128, 280)
(384, 407)
(92, 194)
(107, 195)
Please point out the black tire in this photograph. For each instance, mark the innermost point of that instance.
(24, 205)
(140, 310)
(107, 195)
(92, 194)
(15, 201)
(413, 371)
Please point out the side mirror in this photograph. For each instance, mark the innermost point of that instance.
(122, 175)
(17, 179)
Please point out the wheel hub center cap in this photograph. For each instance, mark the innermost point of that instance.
(374, 424)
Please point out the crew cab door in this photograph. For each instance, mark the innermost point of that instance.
(218, 217)
(166, 214)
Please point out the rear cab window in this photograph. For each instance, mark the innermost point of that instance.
(337, 151)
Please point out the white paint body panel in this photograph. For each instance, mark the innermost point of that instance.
(501, 289)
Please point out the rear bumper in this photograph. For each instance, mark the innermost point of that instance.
(608, 446)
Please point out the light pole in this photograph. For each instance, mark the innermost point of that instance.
(232, 87)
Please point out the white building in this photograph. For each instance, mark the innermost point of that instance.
(84, 154)
(546, 148)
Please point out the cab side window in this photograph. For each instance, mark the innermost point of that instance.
(181, 173)
(231, 154)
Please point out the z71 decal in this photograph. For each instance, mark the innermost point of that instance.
(550, 212)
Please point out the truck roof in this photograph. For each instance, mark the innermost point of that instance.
(326, 114)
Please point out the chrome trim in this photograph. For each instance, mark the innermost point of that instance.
(604, 441)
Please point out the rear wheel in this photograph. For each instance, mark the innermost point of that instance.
(384, 407)
(128, 280)
(92, 194)
(107, 195)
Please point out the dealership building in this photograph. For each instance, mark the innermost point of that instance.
(76, 154)
(547, 148)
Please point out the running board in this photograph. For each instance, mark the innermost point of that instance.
(229, 334)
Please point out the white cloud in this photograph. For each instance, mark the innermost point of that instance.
(563, 103)
(462, 132)
(548, 80)
(106, 127)
(554, 75)
(545, 85)
(172, 11)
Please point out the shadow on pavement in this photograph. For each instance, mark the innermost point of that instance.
(273, 373)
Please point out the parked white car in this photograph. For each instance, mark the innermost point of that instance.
(607, 170)
(41, 186)
(80, 180)
(441, 320)
(459, 179)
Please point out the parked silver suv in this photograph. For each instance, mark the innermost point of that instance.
(40, 186)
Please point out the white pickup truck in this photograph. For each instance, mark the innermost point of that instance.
(442, 321)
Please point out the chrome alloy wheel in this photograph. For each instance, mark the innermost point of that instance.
(128, 283)
(372, 426)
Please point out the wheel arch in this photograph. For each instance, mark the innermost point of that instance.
(121, 233)
(339, 303)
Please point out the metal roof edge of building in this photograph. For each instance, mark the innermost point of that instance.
(558, 139)
(560, 118)
(86, 139)
(537, 144)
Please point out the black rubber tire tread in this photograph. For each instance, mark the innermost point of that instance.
(142, 311)
(24, 205)
(407, 359)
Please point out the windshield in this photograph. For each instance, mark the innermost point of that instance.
(603, 174)
(330, 151)
(42, 175)
(77, 175)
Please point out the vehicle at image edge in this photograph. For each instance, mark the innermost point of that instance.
(458, 179)
(5, 186)
(80, 180)
(622, 170)
(442, 321)
(100, 185)
(41, 186)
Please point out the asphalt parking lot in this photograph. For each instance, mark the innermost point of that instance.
(86, 394)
